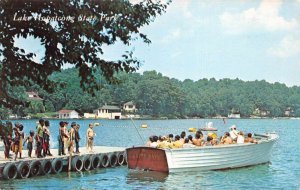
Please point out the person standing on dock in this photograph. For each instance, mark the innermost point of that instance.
(7, 145)
(6, 135)
(61, 136)
(46, 143)
(90, 137)
(29, 141)
(66, 136)
(17, 141)
(20, 131)
(77, 137)
(39, 137)
(72, 137)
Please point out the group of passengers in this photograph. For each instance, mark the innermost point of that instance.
(182, 141)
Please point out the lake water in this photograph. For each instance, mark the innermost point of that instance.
(282, 173)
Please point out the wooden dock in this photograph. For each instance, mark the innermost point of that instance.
(101, 156)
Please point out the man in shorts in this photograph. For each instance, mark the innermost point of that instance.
(90, 137)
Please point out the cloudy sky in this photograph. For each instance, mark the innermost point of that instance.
(195, 39)
(245, 39)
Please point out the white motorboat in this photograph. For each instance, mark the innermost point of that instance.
(202, 158)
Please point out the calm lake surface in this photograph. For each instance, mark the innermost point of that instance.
(282, 173)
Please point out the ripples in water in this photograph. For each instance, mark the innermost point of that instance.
(282, 173)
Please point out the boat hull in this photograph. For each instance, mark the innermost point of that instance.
(147, 158)
(202, 158)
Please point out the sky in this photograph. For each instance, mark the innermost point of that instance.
(245, 39)
(195, 39)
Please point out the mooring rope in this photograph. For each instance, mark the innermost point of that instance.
(142, 139)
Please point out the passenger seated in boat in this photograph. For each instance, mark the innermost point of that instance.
(197, 141)
(190, 137)
(233, 132)
(159, 139)
(187, 144)
(215, 142)
(177, 143)
(170, 138)
(240, 138)
(163, 143)
(209, 141)
(182, 136)
(149, 141)
(226, 139)
(249, 139)
(154, 144)
(212, 135)
(200, 132)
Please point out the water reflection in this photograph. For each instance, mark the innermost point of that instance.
(146, 176)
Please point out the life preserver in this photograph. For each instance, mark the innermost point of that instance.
(46, 167)
(113, 160)
(95, 161)
(192, 130)
(35, 168)
(104, 160)
(77, 164)
(23, 170)
(10, 171)
(57, 165)
(121, 158)
(87, 162)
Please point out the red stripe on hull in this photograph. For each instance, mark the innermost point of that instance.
(147, 158)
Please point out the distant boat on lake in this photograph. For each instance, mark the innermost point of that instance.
(202, 158)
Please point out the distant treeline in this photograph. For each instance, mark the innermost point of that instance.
(160, 96)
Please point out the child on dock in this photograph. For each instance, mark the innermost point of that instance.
(29, 141)
(62, 135)
(77, 137)
(16, 142)
(7, 145)
(90, 137)
(46, 138)
(39, 137)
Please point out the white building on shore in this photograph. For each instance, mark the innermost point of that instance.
(129, 107)
(108, 112)
(234, 115)
(68, 114)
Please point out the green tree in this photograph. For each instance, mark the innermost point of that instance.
(35, 107)
(71, 41)
(4, 113)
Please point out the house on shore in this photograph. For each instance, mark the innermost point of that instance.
(68, 114)
(234, 115)
(129, 107)
(33, 96)
(261, 112)
(108, 112)
(288, 112)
